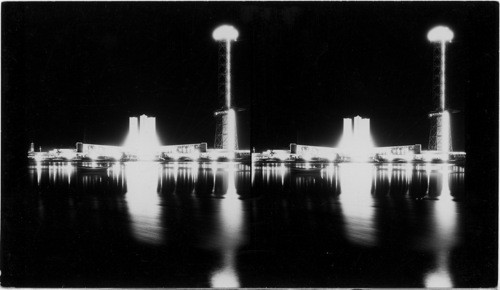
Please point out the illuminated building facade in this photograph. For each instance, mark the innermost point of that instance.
(142, 138)
(356, 138)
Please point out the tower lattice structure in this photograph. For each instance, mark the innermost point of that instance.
(438, 115)
(223, 114)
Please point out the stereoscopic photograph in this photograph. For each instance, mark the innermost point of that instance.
(249, 144)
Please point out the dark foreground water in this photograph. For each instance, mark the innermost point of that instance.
(145, 224)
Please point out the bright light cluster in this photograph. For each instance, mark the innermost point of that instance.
(356, 140)
(440, 34)
(231, 131)
(225, 32)
(445, 134)
(142, 138)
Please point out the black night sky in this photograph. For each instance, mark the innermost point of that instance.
(76, 71)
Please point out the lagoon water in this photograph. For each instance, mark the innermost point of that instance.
(145, 224)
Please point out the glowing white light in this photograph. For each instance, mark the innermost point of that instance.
(228, 74)
(443, 77)
(445, 134)
(356, 140)
(230, 235)
(142, 138)
(357, 203)
(440, 34)
(143, 202)
(133, 133)
(68, 169)
(225, 278)
(442, 234)
(93, 155)
(282, 173)
(347, 134)
(228, 33)
(439, 279)
(231, 133)
(225, 32)
(38, 172)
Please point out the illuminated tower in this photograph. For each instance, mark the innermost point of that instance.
(225, 133)
(440, 134)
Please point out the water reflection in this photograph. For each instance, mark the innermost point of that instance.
(412, 206)
(442, 233)
(143, 202)
(229, 235)
(196, 216)
(161, 205)
(357, 203)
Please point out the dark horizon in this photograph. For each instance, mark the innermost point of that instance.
(298, 70)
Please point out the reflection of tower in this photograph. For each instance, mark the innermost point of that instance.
(225, 132)
(440, 133)
(442, 234)
(229, 235)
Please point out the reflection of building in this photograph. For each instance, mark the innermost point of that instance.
(357, 204)
(143, 202)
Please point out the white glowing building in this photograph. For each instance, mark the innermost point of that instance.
(142, 139)
(356, 139)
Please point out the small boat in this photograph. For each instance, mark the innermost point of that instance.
(93, 169)
(301, 170)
